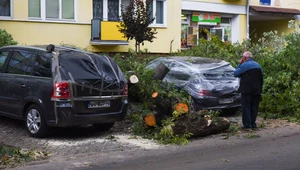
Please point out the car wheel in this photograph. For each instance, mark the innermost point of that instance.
(35, 122)
(103, 126)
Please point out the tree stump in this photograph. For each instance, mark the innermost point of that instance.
(199, 126)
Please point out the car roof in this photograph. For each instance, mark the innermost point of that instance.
(42, 48)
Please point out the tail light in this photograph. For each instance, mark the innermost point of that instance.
(204, 92)
(61, 90)
(125, 90)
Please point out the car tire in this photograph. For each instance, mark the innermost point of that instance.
(35, 123)
(103, 126)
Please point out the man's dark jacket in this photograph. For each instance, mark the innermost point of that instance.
(251, 75)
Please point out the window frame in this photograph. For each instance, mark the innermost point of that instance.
(154, 24)
(164, 24)
(43, 13)
(11, 11)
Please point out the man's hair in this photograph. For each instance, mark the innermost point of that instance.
(247, 54)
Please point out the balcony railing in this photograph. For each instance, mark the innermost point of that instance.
(106, 33)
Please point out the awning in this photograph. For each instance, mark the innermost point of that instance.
(105, 42)
(275, 10)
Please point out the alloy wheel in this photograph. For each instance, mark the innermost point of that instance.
(33, 121)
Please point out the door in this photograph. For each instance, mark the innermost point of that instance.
(4, 55)
(17, 75)
(218, 32)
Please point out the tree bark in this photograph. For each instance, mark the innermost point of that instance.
(198, 126)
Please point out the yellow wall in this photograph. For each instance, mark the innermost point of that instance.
(35, 33)
(284, 3)
(257, 28)
(243, 29)
(84, 11)
(233, 2)
(79, 34)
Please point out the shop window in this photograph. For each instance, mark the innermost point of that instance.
(225, 20)
(5, 8)
(184, 34)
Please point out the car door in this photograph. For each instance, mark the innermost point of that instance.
(4, 55)
(18, 73)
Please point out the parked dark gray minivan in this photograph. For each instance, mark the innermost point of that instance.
(50, 86)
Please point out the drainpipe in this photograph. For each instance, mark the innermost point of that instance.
(247, 21)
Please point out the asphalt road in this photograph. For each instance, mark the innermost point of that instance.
(273, 153)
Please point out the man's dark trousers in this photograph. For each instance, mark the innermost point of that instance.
(250, 109)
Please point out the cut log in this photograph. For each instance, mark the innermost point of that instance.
(133, 79)
(160, 72)
(154, 95)
(182, 108)
(199, 126)
(150, 119)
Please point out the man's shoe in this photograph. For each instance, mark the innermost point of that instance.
(246, 128)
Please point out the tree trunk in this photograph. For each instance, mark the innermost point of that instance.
(199, 126)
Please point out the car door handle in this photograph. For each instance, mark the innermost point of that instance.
(22, 85)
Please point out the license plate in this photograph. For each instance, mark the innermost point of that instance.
(98, 104)
(226, 101)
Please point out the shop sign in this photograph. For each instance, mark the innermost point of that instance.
(206, 17)
(270, 2)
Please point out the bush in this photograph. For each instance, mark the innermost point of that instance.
(6, 38)
(278, 56)
(141, 93)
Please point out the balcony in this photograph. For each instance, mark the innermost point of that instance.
(106, 33)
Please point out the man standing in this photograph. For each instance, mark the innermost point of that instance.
(251, 82)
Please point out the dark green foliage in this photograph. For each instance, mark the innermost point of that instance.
(136, 18)
(279, 56)
(6, 38)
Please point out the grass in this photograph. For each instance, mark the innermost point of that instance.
(12, 156)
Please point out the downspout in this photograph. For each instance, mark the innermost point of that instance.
(247, 20)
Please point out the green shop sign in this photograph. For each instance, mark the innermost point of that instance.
(206, 17)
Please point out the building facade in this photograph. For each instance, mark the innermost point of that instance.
(201, 18)
(270, 15)
(235, 20)
(90, 24)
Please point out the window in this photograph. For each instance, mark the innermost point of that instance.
(98, 9)
(113, 10)
(21, 63)
(51, 9)
(109, 10)
(34, 8)
(125, 3)
(3, 56)
(42, 67)
(60, 9)
(5, 8)
(158, 7)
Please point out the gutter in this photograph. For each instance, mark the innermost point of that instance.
(247, 21)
